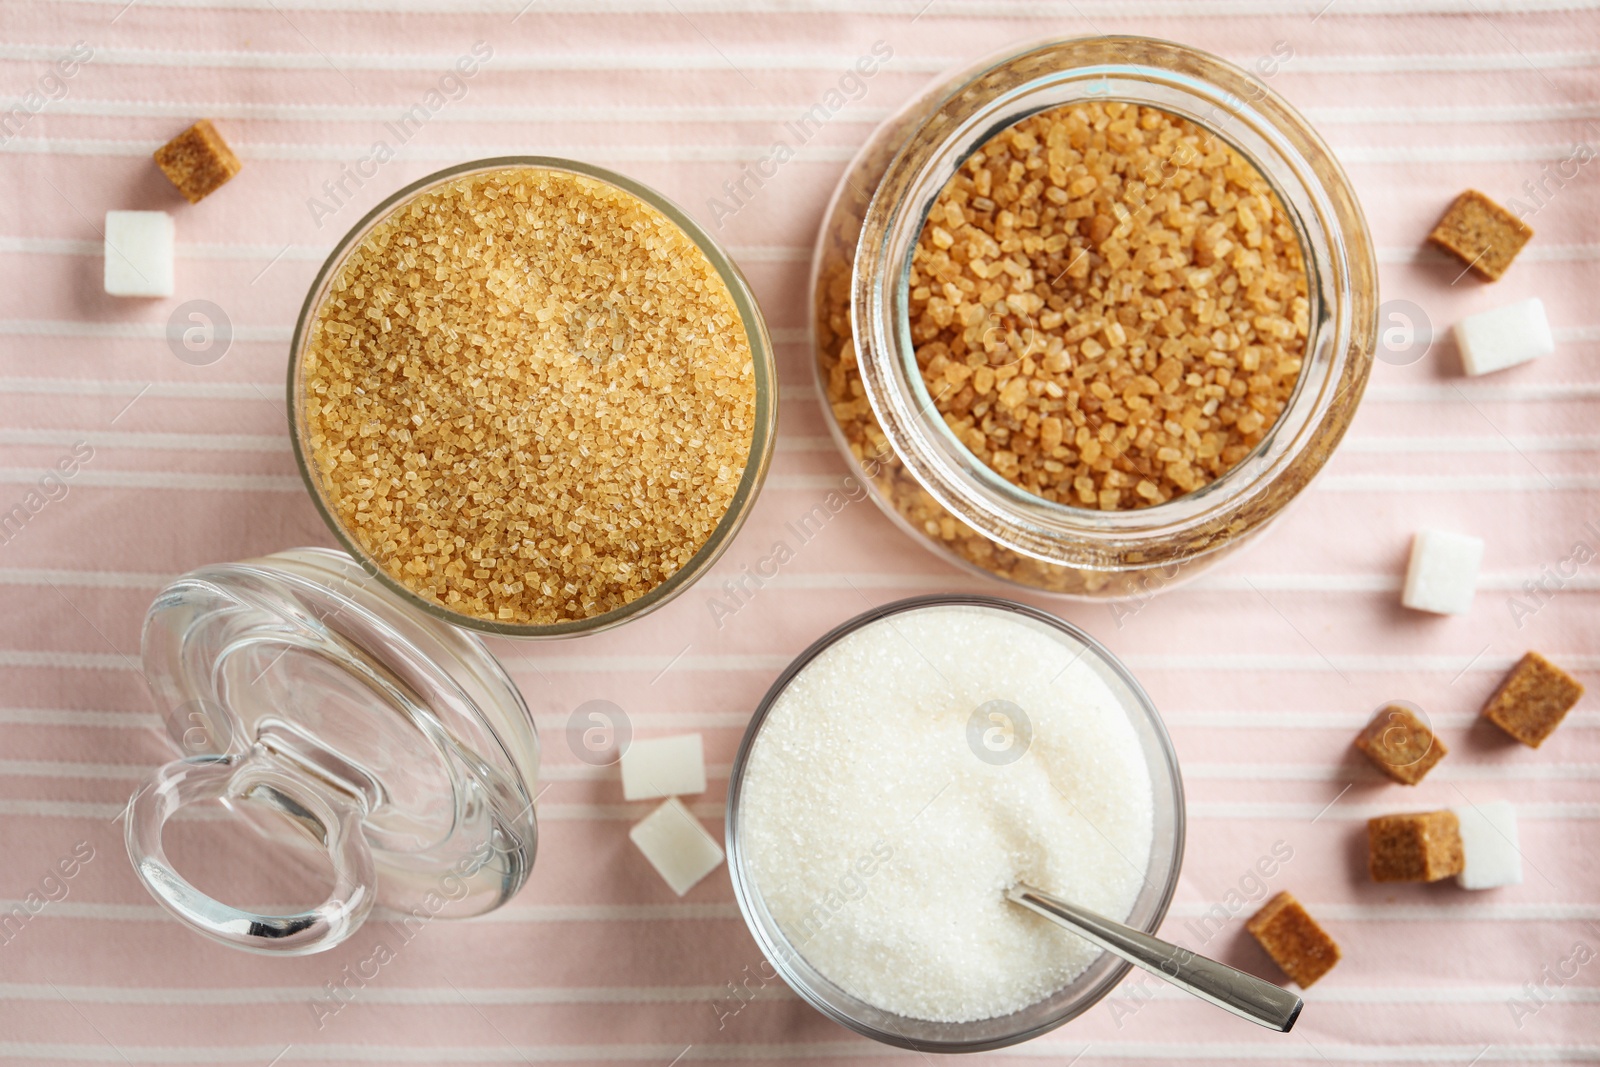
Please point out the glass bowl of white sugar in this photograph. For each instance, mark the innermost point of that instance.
(903, 772)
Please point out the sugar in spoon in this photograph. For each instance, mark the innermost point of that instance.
(1227, 987)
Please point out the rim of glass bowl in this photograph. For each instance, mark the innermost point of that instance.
(970, 107)
(761, 440)
(1065, 1004)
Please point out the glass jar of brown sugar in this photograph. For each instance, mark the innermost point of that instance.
(1035, 385)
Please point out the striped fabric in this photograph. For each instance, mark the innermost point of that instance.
(1264, 669)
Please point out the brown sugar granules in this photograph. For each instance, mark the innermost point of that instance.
(530, 396)
(1109, 305)
(1422, 846)
(1400, 744)
(198, 161)
(1301, 948)
(1532, 699)
(1481, 234)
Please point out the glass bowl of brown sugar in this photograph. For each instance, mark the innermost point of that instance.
(1090, 313)
(532, 396)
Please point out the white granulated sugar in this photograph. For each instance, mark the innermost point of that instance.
(1504, 337)
(138, 253)
(1489, 846)
(664, 767)
(1443, 573)
(882, 844)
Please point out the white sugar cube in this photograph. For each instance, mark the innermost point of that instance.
(1489, 846)
(138, 253)
(664, 767)
(1503, 337)
(676, 845)
(1443, 573)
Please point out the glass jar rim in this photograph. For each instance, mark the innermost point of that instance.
(977, 103)
(1156, 745)
(761, 440)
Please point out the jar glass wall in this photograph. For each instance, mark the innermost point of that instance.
(883, 418)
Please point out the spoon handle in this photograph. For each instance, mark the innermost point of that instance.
(1243, 994)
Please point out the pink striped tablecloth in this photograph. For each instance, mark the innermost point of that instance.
(1264, 669)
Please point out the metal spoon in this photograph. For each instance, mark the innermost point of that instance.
(1243, 994)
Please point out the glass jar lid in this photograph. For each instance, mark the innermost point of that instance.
(314, 704)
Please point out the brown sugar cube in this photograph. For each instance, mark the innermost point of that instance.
(1420, 846)
(1481, 233)
(1533, 699)
(1400, 745)
(198, 161)
(1301, 948)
